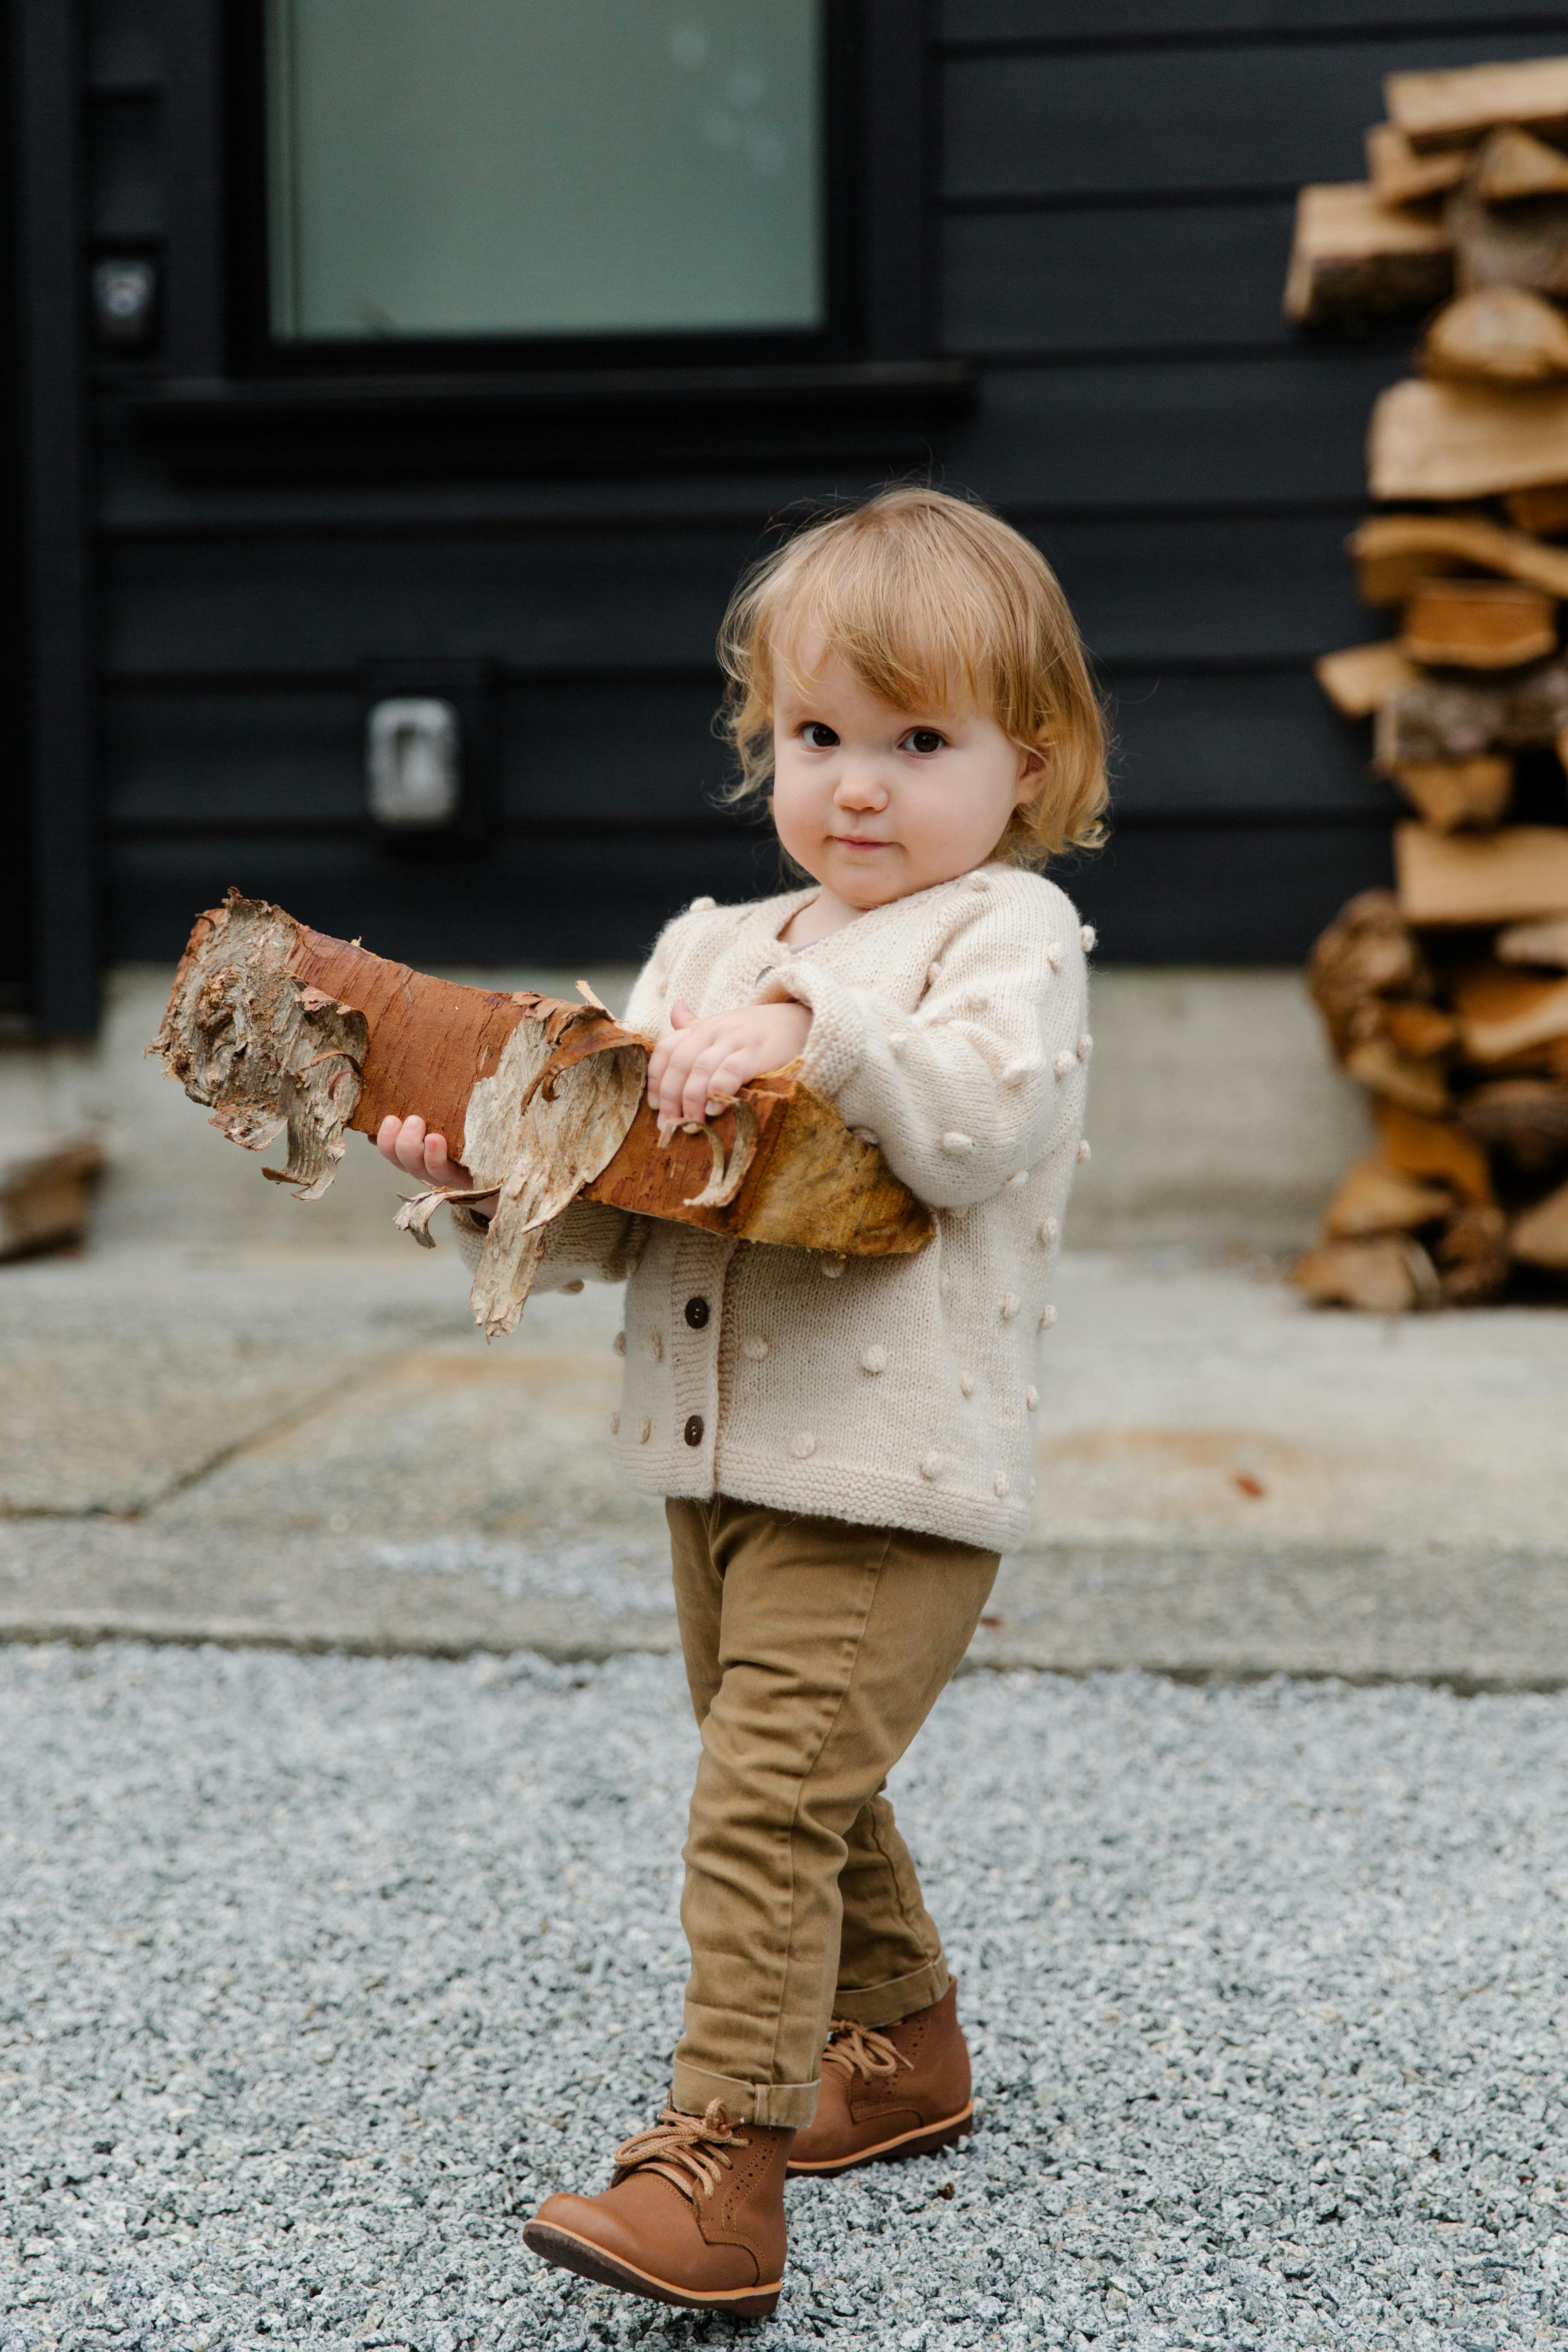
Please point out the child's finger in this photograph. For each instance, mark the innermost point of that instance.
(681, 1016)
(410, 1145)
(681, 1053)
(698, 1086)
(386, 1134)
(725, 1083)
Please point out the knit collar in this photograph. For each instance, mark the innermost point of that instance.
(769, 916)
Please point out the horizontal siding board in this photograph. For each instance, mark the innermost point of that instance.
(1264, 748)
(1125, 279)
(1151, 592)
(1205, 433)
(623, 749)
(324, 603)
(1223, 894)
(1118, 123)
(1148, 590)
(1157, 20)
(523, 900)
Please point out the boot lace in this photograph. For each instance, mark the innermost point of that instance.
(688, 2150)
(856, 2049)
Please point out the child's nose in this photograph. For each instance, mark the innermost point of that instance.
(861, 787)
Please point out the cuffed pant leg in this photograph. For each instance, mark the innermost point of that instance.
(834, 1642)
(888, 1947)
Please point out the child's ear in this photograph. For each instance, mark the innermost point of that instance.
(1034, 761)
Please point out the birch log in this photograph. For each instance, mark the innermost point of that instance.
(274, 1027)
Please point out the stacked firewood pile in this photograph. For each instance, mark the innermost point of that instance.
(1447, 998)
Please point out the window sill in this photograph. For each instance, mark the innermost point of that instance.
(587, 420)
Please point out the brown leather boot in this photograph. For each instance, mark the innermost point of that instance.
(694, 2215)
(900, 2092)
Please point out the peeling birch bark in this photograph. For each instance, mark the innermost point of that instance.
(273, 1025)
(261, 1048)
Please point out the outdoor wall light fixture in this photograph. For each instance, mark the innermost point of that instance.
(414, 766)
(124, 302)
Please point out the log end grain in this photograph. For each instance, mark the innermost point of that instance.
(1435, 440)
(1360, 679)
(1457, 106)
(1471, 879)
(1452, 793)
(1354, 256)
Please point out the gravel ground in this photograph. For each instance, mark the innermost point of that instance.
(319, 1971)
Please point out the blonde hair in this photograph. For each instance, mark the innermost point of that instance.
(935, 603)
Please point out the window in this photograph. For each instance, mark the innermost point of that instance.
(564, 170)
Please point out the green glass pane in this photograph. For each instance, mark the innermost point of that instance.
(473, 167)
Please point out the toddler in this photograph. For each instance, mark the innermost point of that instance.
(844, 1443)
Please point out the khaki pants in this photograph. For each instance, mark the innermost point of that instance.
(814, 1650)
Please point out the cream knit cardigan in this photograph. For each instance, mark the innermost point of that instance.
(949, 1027)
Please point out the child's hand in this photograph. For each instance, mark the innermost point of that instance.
(405, 1143)
(697, 1063)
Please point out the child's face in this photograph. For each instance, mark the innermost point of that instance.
(877, 802)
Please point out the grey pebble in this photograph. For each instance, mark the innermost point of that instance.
(318, 1972)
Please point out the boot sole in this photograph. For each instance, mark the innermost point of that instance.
(591, 2262)
(924, 2142)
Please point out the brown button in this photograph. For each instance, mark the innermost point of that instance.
(697, 1316)
(694, 1429)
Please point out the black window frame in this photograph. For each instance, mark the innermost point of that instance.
(257, 353)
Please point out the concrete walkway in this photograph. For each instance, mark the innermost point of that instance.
(316, 1450)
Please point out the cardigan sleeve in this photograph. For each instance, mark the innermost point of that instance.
(987, 1075)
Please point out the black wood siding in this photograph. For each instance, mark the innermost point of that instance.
(1111, 188)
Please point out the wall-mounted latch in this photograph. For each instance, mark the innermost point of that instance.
(413, 765)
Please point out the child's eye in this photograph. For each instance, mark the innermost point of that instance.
(820, 737)
(925, 740)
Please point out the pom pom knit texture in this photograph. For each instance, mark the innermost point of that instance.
(897, 1391)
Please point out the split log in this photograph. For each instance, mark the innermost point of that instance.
(1471, 1255)
(272, 1026)
(46, 1191)
(1460, 106)
(1354, 256)
(1534, 943)
(1535, 707)
(1388, 1275)
(1366, 956)
(1421, 1029)
(1503, 1014)
(1440, 722)
(1491, 878)
(1430, 440)
(1448, 719)
(1377, 1065)
(1525, 1119)
(1400, 176)
(1360, 678)
(1500, 334)
(1373, 1198)
(1544, 511)
(1540, 1237)
(1512, 165)
(1396, 553)
(1525, 246)
(1454, 793)
(1478, 625)
(1434, 1151)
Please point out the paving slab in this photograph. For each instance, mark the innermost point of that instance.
(322, 1453)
